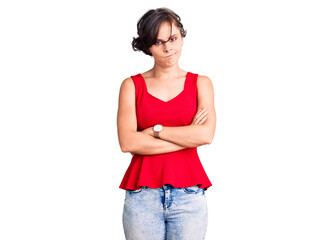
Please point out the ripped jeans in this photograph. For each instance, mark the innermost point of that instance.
(166, 213)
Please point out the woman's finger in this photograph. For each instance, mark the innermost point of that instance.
(203, 120)
(200, 116)
(197, 120)
(200, 113)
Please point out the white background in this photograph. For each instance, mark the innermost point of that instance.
(62, 63)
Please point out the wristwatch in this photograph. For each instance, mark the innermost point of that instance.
(157, 129)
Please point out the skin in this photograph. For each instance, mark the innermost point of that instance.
(165, 81)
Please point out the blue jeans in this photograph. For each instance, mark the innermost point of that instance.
(165, 213)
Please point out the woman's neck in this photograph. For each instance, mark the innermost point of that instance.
(166, 72)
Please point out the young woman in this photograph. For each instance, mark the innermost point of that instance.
(164, 114)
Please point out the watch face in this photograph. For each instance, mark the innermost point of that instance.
(158, 128)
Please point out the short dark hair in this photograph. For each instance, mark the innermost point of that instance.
(149, 25)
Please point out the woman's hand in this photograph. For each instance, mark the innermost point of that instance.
(200, 117)
(148, 131)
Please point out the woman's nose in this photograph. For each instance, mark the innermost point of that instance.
(167, 47)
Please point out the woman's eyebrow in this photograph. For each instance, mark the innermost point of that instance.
(174, 35)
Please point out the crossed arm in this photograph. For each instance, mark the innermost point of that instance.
(199, 132)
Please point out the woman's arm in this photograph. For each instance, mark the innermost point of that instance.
(130, 139)
(196, 135)
(199, 118)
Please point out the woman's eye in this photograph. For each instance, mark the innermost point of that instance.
(171, 40)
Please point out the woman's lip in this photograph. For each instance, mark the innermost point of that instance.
(170, 55)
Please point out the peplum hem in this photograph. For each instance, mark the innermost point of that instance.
(156, 170)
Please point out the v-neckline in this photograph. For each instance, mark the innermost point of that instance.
(177, 96)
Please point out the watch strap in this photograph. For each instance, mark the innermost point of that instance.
(156, 134)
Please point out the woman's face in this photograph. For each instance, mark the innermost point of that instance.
(167, 50)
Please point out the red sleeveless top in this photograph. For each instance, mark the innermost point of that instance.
(181, 168)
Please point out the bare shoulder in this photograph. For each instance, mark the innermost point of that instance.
(204, 82)
(127, 83)
(127, 86)
(127, 90)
